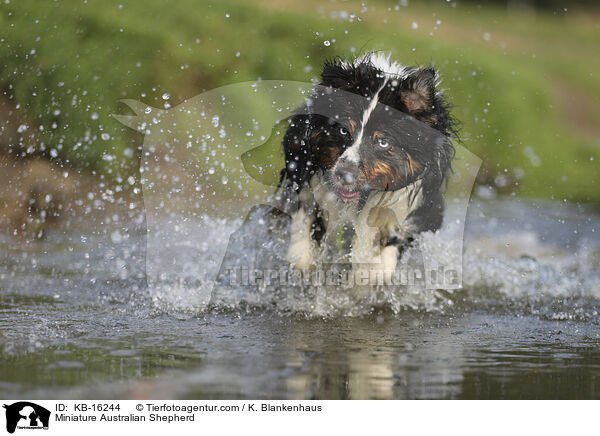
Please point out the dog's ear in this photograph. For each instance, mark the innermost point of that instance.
(417, 91)
(296, 148)
(439, 167)
(337, 75)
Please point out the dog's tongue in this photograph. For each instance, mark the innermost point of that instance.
(346, 195)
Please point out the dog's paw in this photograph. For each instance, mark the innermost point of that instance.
(380, 270)
(389, 261)
(300, 251)
(300, 255)
(384, 267)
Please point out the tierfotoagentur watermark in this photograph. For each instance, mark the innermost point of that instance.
(338, 275)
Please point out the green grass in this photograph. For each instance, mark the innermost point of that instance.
(64, 61)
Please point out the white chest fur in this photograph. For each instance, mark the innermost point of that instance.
(383, 214)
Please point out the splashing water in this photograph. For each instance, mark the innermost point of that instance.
(550, 262)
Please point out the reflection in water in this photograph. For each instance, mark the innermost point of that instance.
(477, 355)
(372, 360)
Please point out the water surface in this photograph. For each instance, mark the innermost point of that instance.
(77, 320)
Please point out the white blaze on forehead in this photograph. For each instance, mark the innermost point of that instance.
(381, 61)
(352, 153)
(391, 69)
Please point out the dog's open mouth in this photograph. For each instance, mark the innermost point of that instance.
(346, 194)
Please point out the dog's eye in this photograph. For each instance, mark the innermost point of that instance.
(383, 143)
(343, 131)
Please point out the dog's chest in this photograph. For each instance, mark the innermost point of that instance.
(383, 214)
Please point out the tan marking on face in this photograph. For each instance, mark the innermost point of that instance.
(328, 155)
(382, 176)
(316, 135)
(412, 165)
(352, 125)
(378, 135)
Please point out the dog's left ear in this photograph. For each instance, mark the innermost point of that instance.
(336, 75)
(417, 91)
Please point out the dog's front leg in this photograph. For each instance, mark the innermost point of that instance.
(373, 264)
(397, 242)
(301, 249)
(389, 260)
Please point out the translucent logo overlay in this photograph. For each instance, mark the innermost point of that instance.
(218, 227)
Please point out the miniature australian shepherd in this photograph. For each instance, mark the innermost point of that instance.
(366, 160)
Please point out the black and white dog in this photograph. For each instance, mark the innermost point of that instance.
(366, 158)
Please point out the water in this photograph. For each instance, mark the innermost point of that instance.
(77, 320)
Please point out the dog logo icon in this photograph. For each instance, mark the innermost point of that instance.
(26, 415)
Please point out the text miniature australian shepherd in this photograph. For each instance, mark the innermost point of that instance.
(366, 160)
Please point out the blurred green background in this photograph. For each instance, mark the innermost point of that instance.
(524, 79)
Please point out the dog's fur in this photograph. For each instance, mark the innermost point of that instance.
(372, 158)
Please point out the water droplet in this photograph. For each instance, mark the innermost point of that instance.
(116, 237)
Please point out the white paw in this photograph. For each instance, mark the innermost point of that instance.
(389, 260)
(381, 269)
(300, 254)
(300, 251)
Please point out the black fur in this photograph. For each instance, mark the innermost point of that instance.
(390, 156)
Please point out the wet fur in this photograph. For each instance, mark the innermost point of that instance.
(399, 187)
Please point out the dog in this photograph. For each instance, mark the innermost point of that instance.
(367, 157)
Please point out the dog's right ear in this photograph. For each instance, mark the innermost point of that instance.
(296, 148)
(337, 75)
(418, 90)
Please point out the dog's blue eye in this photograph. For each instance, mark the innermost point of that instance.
(343, 131)
(383, 143)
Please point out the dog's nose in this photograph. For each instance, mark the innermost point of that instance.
(346, 175)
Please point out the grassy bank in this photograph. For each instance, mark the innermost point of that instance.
(526, 87)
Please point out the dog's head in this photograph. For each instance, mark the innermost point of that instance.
(378, 126)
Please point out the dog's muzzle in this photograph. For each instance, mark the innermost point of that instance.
(346, 177)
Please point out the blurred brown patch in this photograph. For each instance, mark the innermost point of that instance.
(18, 135)
(37, 194)
(34, 195)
